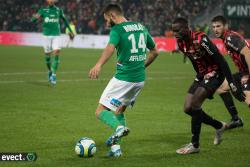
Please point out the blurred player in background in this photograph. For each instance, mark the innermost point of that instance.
(234, 43)
(50, 17)
(67, 31)
(131, 41)
(211, 69)
(238, 49)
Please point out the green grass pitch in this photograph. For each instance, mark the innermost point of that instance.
(37, 117)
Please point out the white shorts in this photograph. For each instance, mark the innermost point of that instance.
(51, 43)
(120, 93)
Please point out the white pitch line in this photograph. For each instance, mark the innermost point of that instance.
(83, 80)
(34, 73)
(77, 72)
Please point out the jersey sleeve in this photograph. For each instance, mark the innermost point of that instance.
(150, 41)
(114, 38)
(66, 22)
(235, 42)
(62, 14)
(34, 17)
(213, 51)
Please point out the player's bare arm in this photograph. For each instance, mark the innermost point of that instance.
(106, 54)
(153, 53)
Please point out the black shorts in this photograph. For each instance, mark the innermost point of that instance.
(237, 78)
(211, 84)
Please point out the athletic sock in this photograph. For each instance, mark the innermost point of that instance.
(206, 119)
(229, 103)
(55, 64)
(196, 127)
(121, 118)
(48, 62)
(109, 118)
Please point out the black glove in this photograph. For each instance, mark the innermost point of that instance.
(71, 36)
(237, 92)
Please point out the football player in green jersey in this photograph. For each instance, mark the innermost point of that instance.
(131, 41)
(50, 17)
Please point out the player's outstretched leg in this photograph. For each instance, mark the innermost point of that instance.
(48, 63)
(219, 132)
(55, 64)
(116, 122)
(236, 121)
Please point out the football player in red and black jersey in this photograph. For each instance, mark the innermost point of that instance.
(238, 49)
(211, 69)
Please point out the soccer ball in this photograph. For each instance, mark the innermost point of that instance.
(85, 147)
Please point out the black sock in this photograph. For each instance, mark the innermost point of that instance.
(206, 119)
(190, 113)
(229, 103)
(196, 127)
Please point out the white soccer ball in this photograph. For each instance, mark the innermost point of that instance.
(85, 147)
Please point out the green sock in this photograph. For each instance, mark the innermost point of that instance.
(121, 119)
(109, 118)
(55, 64)
(48, 62)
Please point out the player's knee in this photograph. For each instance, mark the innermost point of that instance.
(56, 52)
(221, 90)
(247, 101)
(97, 113)
(195, 104)
(121, 109)
(99, 109)
(187, 109)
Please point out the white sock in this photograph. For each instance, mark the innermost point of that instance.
(115, 147)
(120, 126)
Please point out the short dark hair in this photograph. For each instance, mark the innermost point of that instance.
(182, 21)
(114, 8)
(220, 18)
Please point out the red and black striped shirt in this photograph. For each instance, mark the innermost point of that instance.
(199, 49)
(234, 43)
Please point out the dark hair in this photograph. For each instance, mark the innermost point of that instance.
(114, 8)
(220, 18)
(182, 21)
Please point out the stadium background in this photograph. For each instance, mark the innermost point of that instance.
(35, 117)
(155, 14)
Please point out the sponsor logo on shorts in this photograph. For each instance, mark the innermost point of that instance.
(115, 102)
